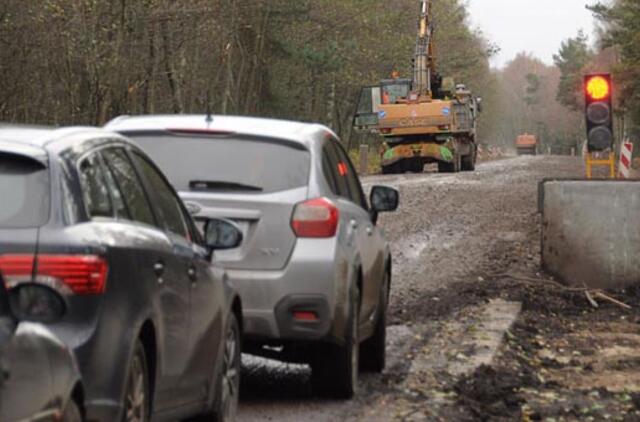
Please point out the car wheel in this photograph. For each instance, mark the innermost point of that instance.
(373, 350)
(228, 387)
(335, 368)
(136, 398)
(72, 412)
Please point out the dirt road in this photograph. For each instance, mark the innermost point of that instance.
(455, 240)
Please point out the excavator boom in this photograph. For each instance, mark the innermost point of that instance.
(423, 63)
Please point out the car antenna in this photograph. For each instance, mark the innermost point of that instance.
(209, 118)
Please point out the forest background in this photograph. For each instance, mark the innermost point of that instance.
(86, 61)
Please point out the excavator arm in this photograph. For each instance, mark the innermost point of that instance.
(393, 91)
(424, 56)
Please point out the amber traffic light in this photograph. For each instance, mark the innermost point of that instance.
(598, 87)
(599, 111)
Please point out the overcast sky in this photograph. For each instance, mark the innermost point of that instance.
(535, 26)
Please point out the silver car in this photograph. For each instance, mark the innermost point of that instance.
(39, 377)
(314, 271)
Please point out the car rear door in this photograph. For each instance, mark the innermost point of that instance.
(192, 269)
(155, 265)
(354, 204)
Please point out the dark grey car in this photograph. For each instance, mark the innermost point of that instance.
(39, 378)
(314, 272)
(153, 325)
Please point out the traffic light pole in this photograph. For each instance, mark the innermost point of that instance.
(591, 162)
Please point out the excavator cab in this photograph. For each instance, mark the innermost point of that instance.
(390, 91)
(394, 90)
(366, 117)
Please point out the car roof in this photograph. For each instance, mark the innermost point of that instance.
(34, 141)
(32, 135)
(251, 126)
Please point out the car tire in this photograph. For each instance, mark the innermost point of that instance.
(228, 384)
(373, 351)
(137, 406)
(72, 412)
(334, 370)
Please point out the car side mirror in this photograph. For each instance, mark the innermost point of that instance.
(221, 234)
(383, 199)
(36, 303)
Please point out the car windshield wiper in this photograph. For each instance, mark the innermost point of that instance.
(221, 185)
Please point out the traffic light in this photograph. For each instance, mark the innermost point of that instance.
(599, 111)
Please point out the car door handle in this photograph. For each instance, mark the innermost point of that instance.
(369, 231)
(191, 272)
(354, 224)
(158, 269)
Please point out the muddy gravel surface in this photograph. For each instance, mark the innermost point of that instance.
(457, 239)
(453, 228)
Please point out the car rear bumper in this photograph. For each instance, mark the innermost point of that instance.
(313, 281)
(303, 317)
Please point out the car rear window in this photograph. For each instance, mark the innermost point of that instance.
(227, 164)
(24, 189)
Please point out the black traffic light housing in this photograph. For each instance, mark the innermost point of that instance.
(599, 111)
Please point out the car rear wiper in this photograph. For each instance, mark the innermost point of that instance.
(209, 185)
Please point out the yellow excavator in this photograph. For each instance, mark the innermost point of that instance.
(425, 119)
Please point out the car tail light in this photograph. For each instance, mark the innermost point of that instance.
(315, 218)
(80, 274)
(16, 268)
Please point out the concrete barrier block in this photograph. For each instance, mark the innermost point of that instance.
(591, 231)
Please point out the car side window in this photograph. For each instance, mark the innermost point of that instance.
(348, 172)
(129, 185)
(95, 192)
(327, 169)
(337, 170)
(117, 198)
(169, 210)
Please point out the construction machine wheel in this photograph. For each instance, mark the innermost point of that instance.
(417, 166)
(452, 167)
(468, 162)
(413, 166)
(395, 168)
